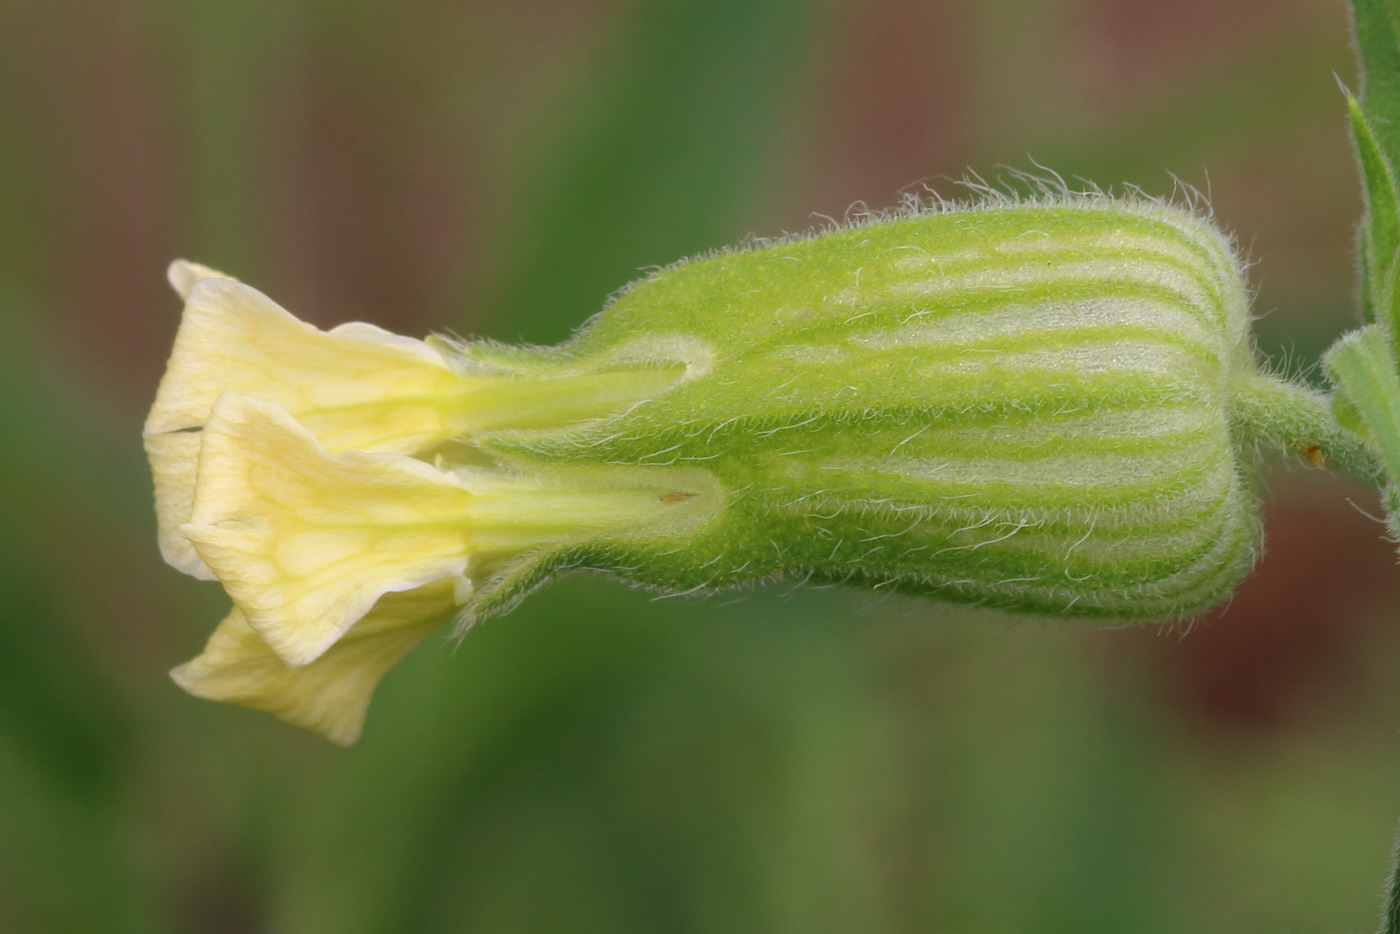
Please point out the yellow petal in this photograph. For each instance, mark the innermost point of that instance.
(183, 275)
(331, 694)
(304, 541)
(173, 459)
(355, 387)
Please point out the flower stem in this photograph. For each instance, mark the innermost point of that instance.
(1277, 412)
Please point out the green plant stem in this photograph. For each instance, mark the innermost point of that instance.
(1277, 412)
(1390, 919)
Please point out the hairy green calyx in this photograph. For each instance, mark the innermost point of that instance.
(1039, 406)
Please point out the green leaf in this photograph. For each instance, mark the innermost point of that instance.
(1363, 369)
(1378, 42)
(1381, 228)
(1375, 125)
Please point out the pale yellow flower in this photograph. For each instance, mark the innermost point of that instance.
(355, 387)
(332, 693)
(293, 465)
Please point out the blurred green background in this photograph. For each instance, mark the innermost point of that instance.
(783, 761)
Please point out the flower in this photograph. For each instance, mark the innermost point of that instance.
(357, 387)
(1044, 406)
(292, 465)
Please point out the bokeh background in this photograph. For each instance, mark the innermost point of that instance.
(781, 761)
